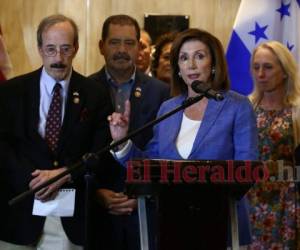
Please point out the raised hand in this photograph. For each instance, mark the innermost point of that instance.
(119, 123)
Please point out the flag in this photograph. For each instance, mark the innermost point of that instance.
(5, 63)
(258, 21)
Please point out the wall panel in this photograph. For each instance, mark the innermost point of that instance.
(19, 20)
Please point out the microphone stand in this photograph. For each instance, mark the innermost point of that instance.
(85, 160)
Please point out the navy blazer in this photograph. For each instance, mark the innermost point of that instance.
(144, 108)
(227, 132)
(23, 150)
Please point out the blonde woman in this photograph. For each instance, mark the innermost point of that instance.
(275, 205)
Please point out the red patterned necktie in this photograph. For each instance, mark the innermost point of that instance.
(53, 122)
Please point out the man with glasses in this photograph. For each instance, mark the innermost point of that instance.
(49, 119)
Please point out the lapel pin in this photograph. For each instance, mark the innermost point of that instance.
(138, 92)
(76, 99)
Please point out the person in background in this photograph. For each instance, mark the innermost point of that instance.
(274, 209)
(119, 45)
(143, 61)
(161, 68)
(49, 119)
(207, 130)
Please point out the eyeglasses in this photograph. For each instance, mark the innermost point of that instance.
(66, 50)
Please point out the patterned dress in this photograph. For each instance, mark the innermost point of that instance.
(274, 206)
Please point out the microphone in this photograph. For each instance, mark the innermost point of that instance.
(205, 89)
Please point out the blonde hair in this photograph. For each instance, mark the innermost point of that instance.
(289, 67)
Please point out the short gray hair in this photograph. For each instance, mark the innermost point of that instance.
(49, 21)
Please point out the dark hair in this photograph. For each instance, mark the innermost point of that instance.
(163, 40)
(49, 21)
(120, 20)
(220, 78)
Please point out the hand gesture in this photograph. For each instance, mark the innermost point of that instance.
(119, 123)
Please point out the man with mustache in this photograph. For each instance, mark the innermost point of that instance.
(49, 119)
(120, 45)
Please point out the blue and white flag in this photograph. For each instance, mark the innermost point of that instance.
(258, 21)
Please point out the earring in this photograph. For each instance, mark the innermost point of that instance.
(213, 70)
(179, 74)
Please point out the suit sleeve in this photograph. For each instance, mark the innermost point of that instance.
(245, 133)
(15, 168)
(114, 175)
(151, 150)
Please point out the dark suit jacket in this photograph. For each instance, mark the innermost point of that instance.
(121, 232)
(23, 150)
(143, 109)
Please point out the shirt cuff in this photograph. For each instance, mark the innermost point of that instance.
(123, 152)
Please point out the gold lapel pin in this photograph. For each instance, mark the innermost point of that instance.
(138, 92)
(76, 99)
